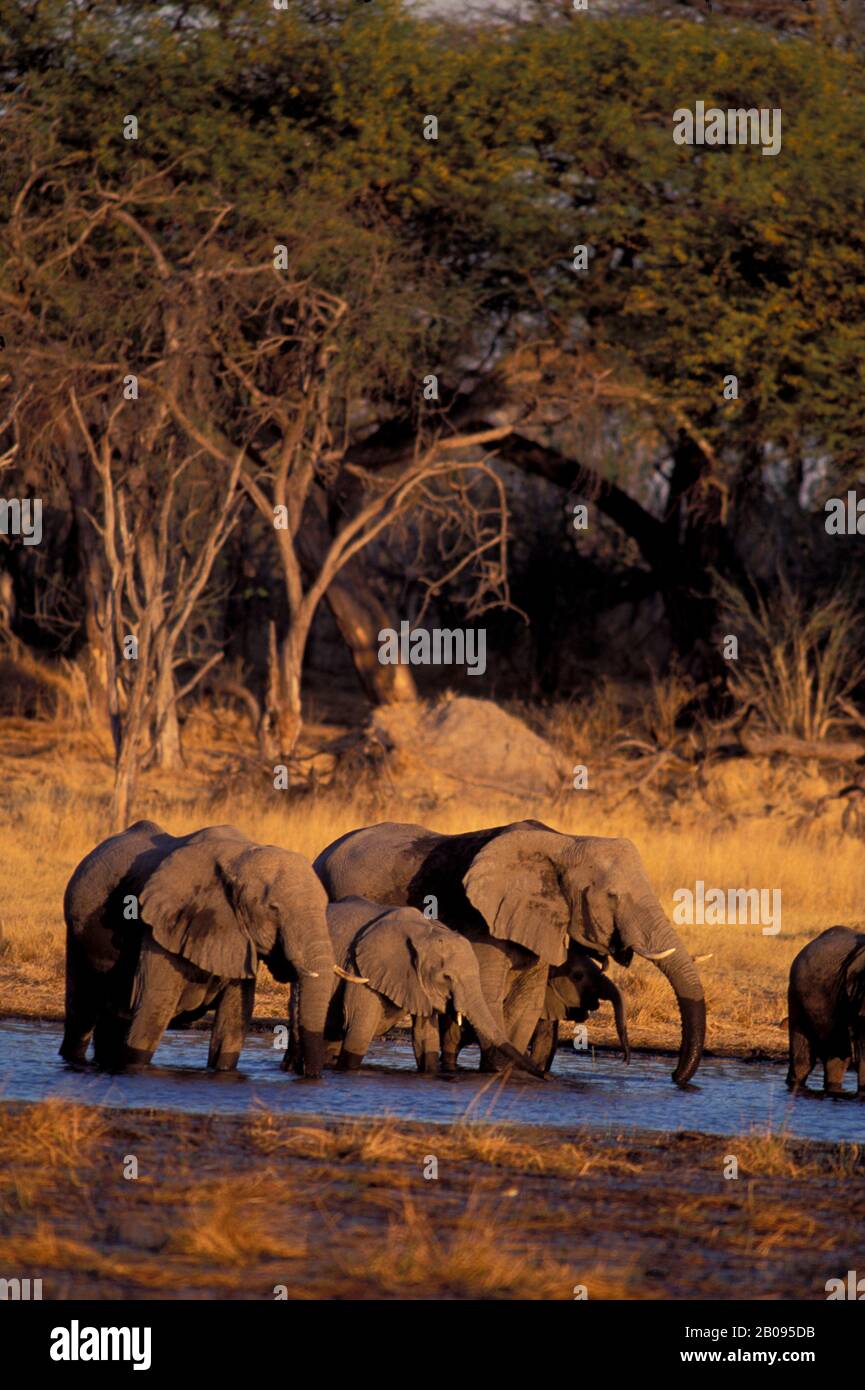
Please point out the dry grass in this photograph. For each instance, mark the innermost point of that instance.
(243, 1207)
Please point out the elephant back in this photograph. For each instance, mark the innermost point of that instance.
(93, 901)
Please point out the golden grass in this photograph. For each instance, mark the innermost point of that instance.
(229, 1222)
(479, 1259)
(53, 1134)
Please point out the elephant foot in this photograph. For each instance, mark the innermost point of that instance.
(448, 1062)
(428, 1064)
(489, 1065)
(75, 1054)
(226, 1062)
(134, 1059)
(349, 1061)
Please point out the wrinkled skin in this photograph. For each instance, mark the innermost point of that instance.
(574, 990)
(408, 965)
(522, 894)
(826, 1009)
(160, 929)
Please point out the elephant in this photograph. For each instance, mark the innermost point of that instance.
(826, 1010)
(522, 893)
(398, 962)
(162, 928)
(574, 990)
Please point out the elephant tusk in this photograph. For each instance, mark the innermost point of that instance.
(657, 955)
(459, 1018)
(352, 979)
(307, 974)
(699, 959)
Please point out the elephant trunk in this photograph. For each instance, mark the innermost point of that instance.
(607, 990)
(317, 981)
(675, 962)
(471, 1002)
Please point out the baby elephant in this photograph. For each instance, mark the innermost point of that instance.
(410, 965)
(574, 990)
(826, 1008)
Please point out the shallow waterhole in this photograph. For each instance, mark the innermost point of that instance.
(597, 1091)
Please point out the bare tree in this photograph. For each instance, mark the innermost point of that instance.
(150, 598)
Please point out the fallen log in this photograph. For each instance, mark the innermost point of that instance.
(765, 745)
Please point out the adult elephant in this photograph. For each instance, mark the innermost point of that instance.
(161, 928)
(574, 990)
(826, 1009)
(522, 893)
(405, 964)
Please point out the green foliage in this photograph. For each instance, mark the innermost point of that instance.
(705, 261)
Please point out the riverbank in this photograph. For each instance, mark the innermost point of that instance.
(130, 1204)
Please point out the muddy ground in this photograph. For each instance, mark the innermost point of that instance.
(243, 1207)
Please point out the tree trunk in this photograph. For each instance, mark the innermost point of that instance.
(164, 727)
(281, 718)
(360, 617)
(358, 612)
(93, 579)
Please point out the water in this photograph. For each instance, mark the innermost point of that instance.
(728, 1097)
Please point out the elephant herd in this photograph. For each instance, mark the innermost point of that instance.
(493, 936)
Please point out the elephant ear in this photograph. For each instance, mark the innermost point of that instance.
(554, 1004)
(515, 885)
(188, 905)
(386, 955)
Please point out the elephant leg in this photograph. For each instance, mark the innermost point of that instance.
(450, 1038)
(834, 1070)
(425, 1041)
(803, 1055)
(109, 1040)
(859, 1048)
(543, 1044)
(525, 1004)
(159, 987)
(231, 1024)
(83, 1004)
(364, 1017)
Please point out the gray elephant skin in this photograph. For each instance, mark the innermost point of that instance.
(574, 990)
(209, 906)
(522, 893)
(411, 965)
(826, 1009)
